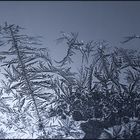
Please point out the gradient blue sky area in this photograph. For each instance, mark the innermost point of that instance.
(93, 20)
